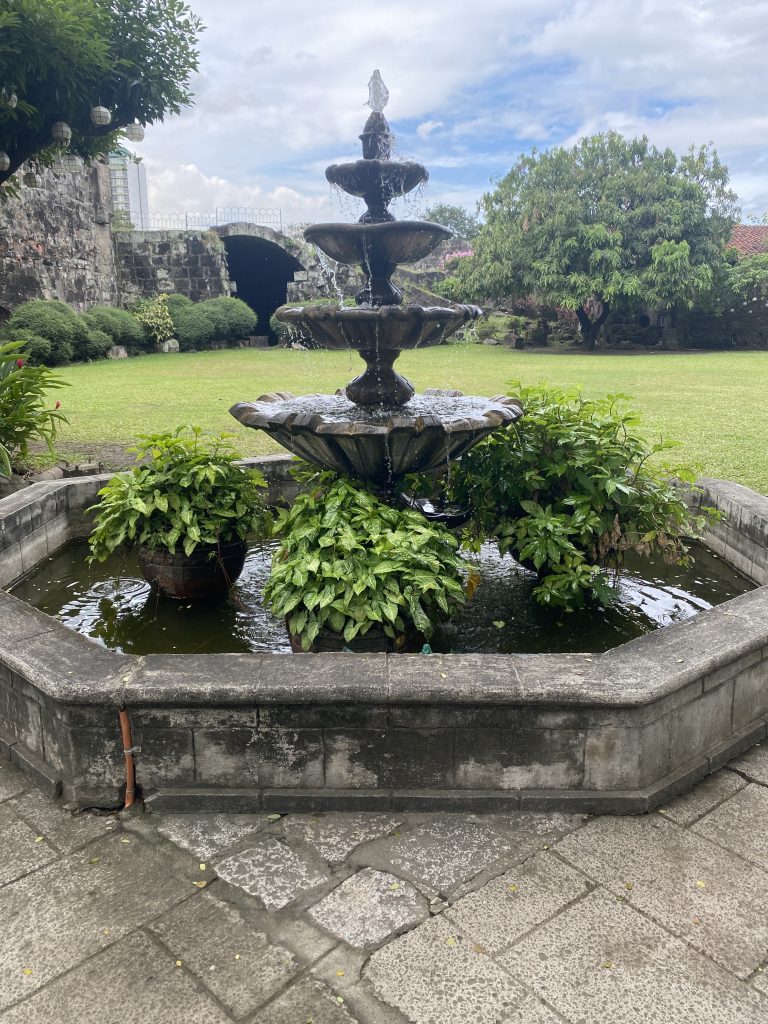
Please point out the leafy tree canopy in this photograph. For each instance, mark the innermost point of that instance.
(610, 221)
(465, 225)
(60, 58)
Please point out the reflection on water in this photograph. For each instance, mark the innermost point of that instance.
(110, 603)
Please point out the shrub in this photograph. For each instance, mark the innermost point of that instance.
(569, 488)
(233, 317)
(193, 327)
(121, 326)
(185, 490)
(153, 314)
(26, 415)
(175, 302)
(95, 345)
(348, 562)
(36, 348)
(52, 320)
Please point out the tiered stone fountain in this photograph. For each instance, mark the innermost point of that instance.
(376, 428)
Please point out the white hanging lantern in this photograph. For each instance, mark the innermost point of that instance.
(61, 133)
(134, 132)
(32, 180)
(5, 161)
(101, 116)
(9, 98)
(71, 163)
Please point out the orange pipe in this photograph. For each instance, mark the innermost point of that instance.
(130, 767)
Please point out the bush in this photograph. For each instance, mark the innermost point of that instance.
(176, 302)
(154, 316)
(94, 345)
(26, 414)
(52, 320)
(122, 327)
(36, 348)
(569, 488)
(193, 327)
(233, 317)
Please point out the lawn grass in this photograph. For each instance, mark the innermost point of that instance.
(716, 403)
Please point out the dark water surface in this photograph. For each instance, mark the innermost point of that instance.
(111, 603)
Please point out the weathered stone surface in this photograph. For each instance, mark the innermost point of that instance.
(334, 836)
(754, 765)
(208, 835)
(12, 782)
(133, 981)
(600, 961)
(441, 853)
(709, 792)
(531, 1011)
(434, 974)
(55, 918)
(236, 963)
(714, 900)
(517, 759)
(63, 830)
(509, 906)
(369, 907)
(273, 872)
(306, 1000)
(20, 849)
(740, 824)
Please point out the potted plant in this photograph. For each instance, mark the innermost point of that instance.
(188, 507)
(353, 572)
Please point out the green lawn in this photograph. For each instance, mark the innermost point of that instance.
(715, 403)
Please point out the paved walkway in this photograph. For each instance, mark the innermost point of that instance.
(388, 918)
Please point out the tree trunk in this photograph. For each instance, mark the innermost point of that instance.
(590, 328)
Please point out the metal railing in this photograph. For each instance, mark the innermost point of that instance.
(264, 216)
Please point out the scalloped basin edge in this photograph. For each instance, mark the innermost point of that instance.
(618, 732)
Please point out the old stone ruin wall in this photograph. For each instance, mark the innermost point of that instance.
(56, 242)
(191, 263)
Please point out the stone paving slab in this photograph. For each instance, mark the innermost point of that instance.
(12, 782)
(273, 872)
(713, 899)
(741, 825)
(131, 982)
(710, 792)
(23, 849)
(600, 962)
(441, 853)
(306, 1002)
(208, 835)
(232, 960)
(435, 974)
(335, 836)
(370, 907)
(753, 765)
(62, 829)
(51, 920)
(509, 906)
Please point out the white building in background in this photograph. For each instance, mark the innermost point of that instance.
(129, 191)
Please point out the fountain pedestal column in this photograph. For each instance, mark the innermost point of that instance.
(380, 384)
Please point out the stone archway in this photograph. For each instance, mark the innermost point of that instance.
(261, 268)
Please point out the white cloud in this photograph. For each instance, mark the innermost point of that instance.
(282, 87)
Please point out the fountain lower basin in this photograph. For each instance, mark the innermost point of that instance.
(617, 732)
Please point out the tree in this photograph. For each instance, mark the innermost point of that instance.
(465, 225)
(610, 221)
(61, 58)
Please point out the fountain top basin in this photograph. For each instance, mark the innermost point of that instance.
(361, 177)
(393, 242)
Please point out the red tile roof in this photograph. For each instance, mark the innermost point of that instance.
(748, 239)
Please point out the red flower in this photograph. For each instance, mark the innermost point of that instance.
(19, 363)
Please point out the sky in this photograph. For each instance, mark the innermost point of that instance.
(473, 83)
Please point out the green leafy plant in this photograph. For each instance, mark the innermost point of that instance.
(348, 562)
(52, 320)
(154, 315)
(569, 488)
(121, 326)
(26, 414)
(185, 490)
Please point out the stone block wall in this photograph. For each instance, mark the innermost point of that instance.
(56, 242)
(192, 263)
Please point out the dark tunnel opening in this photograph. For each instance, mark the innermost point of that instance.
(262, 271)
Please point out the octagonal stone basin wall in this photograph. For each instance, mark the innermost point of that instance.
(621, 731)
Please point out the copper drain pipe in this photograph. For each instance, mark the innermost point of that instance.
(128, 752)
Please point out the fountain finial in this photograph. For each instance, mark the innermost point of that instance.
(378, 93)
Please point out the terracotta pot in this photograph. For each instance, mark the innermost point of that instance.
(375, 641)
(208, 572)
